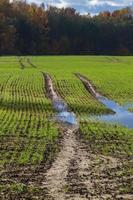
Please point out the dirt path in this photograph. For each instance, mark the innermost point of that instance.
(78, 174)
(56, 176)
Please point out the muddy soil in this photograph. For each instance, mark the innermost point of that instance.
(88, 85)
(78, 174)
(75, 174)
(51, 93)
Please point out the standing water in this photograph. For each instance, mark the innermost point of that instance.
(122, 115)
(63, 114)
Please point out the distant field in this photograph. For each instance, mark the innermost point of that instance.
(26, 128)
(111, 75)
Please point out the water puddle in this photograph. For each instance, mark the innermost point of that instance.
(128, 106)
(122, 116)
(63, 114)
(67, 117)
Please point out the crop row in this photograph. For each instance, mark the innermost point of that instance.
(25, 128)
(112, 76)
(77, 97)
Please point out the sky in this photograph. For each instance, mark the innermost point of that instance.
(89, 6)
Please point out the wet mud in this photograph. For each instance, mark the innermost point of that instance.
(64, 115)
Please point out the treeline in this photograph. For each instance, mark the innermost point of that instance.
(31, 29)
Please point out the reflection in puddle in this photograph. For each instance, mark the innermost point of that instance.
(61, 107)
(68, 117)
(122, 115)
(64, 115)
(128, 105)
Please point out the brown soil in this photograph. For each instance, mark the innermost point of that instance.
(51, 93)
(75, 174)
(88, 85)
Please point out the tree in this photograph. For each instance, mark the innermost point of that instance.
(31, 29)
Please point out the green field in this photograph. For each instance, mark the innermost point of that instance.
(29, 136)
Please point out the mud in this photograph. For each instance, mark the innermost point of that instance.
(78, 173)
(64, 115)
(74, 173)
(50, 89)
(24, 62)
(88, 85)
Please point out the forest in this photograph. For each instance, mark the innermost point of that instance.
(30, 29)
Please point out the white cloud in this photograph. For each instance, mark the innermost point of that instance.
(111, 2)
(88, 5)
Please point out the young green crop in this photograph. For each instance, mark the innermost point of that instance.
(25, 129)
(108, 139)
(112, 76)
(26, 126)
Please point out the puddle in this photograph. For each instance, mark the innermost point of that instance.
(59, 106)
(122, 116)
(128, 105)
(63, 114)
(67, 117)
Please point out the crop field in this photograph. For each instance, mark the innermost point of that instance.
(30, 138)
(24, 112)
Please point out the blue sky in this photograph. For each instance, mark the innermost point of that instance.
(91, 6)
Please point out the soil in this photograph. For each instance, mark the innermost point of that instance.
(50, 89)
(88, 85)
(75, 174)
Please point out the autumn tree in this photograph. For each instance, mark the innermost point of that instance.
(32, 29)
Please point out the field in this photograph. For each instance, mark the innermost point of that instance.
(31, 142)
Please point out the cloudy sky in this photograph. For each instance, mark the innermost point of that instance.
(91, 6)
